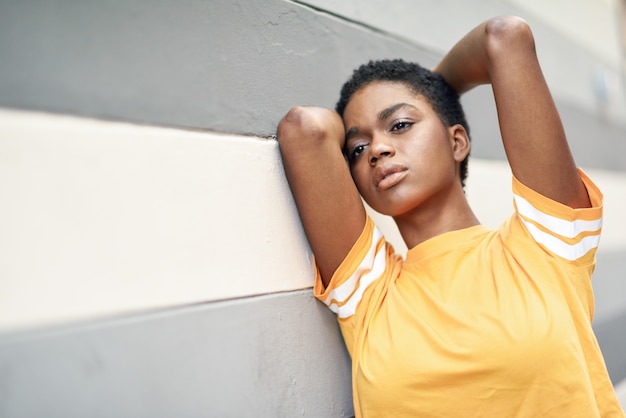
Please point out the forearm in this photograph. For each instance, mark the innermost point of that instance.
(472, 60)
(502, 52)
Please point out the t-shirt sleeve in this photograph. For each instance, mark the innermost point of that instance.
(364, 265)
(571, 234)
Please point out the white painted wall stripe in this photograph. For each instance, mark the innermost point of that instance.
(102, 218)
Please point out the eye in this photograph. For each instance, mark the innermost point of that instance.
(401, 125)
(356, 151)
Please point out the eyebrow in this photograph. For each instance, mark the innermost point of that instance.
(351, 132)
(385, 113)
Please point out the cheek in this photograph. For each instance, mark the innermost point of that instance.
(436, 152)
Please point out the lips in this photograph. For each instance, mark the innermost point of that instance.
(388, 175)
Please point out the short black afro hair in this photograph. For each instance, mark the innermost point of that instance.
(444, 100)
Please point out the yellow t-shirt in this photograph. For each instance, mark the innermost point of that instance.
(478, 322)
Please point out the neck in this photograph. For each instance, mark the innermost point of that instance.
(430, 219)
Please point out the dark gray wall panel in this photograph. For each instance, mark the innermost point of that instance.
(609, 286)
(258, 357)
(611, 335)
(225, 65)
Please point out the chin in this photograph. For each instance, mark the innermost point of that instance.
(391, 210)
(396, 202)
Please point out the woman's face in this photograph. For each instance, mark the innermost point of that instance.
(401, 155)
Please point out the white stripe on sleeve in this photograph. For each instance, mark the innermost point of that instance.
(350, 292)
(568, 229)
(563, 249)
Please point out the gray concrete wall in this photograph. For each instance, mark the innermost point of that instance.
(248, 358)
(236, 67)
(230, 66)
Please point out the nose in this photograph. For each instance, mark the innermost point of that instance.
(380, 147)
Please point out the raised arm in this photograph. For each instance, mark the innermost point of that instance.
(502, 52)
(330, 207)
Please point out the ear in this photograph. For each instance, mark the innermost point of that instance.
(460, 142)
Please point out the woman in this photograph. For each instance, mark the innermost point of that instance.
(475, 322)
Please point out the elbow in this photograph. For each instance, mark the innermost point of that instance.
(508, 28)
(294, 116)
(294, 120)
(309, 124)
(299, 127)
(508, 33)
